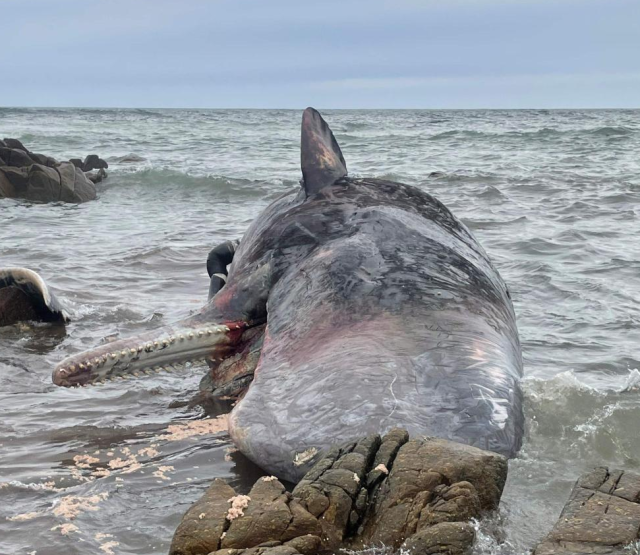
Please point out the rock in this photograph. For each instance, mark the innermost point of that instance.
(77, 162)
(15, 157)
(433, 481)
(448, 538)
(44, 160)
(94, 162)
(74, 185)
(272, 514)
(96, 177)
(601, 516)
(14, 143)
(418, 495)
(202, 526)
(41, 178)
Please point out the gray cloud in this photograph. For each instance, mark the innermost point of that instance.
(347, 53)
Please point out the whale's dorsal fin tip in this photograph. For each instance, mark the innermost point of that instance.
(320, 155)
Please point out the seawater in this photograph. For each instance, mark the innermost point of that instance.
(553, 196)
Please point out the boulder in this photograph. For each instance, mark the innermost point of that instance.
(96, 177)
(40, 183)
(13, 181)
(14, 143)
(415, 495)
(94, 162)
(15, 157)
(43, 159)
(41, 178)
(74, 185)
(601, 516)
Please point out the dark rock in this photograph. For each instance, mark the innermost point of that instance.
(422, 500)
(41, 178)
(15, 157)
(96, 177)
(94, 162)
(601, 516)
(77, 162)
(44, 160)
(13, 181)
(44, 184)
(74, 185)
(15, 143)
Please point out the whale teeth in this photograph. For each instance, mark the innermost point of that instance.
(124, 353)
(209, 331)
(132, 352)
(226, 328)
(136, 374)
(190, 335)
(165, 342)
(181, 337)
(114, 355)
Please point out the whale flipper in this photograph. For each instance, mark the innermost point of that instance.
(320, 156)
(25, 296)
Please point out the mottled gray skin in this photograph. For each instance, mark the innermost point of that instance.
(382, 311)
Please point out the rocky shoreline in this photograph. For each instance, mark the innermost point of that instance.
(420, 496)
(40, 178)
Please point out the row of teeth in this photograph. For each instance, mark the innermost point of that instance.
(150, 371)
(148, 347)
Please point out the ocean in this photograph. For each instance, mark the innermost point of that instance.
(552, 195)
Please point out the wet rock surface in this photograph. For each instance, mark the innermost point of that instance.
(412, 494)
(40, 178)
(601, 516)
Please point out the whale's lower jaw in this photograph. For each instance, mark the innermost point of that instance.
(166, 349)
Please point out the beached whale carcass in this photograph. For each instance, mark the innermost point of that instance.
(376, 308)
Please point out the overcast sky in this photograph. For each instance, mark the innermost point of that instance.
(329, 53)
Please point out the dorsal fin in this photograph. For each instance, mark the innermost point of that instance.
(320, 156)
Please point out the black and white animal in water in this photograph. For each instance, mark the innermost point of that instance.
(374, 308)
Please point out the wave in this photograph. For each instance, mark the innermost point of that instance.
(152, 178)
(544, 133)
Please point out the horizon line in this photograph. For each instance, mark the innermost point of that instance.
(302, 108)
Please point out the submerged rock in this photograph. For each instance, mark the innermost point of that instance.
(601, 516)
(94, 162)
(41, 178)
(414, 495)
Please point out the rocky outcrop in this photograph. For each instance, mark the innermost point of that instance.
(415, 495)
(602, 516)
(40, 178)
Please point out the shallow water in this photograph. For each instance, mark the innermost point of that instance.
(552, 195)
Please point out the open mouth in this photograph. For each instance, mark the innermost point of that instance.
(167, 349)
